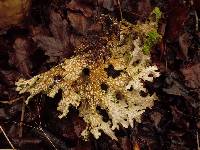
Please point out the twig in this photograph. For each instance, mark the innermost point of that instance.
(198, 147)
(197, 20)
(22, 119)
(7, 138)
(120, 9)
(12, 101)
(48, 138)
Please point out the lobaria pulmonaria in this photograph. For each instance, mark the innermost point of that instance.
(112, 81)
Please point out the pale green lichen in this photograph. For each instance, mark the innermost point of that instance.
(120, 97)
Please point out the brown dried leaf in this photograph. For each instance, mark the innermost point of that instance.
(55, 47)
(184, 43)
(136, 146)
(3, 114)
(192, 76)
(58, 27)
(178, 118)
(125, 143)
(176, 19)
(78, 6)
(79, 22)
(108, 4)
(156, 117)
(79, 126)
(144, 7)
(9, 77)
(20, 57)
(176, 88)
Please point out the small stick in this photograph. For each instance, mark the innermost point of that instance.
(22, 119)
(11, 101)
(120, 9)
(197, 20)
(198, 147)
(47, 137)
(7, 138)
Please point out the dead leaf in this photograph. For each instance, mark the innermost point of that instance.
(3, 114)
(79, 126)
(79, 22)
(9, 77)
(192, 76)
(177, 17)
(144, 7)
(175, 88)
(76, 5)
(178, 117)
(13, 12)
(184, 43)
(125, 143)
(156, 117)
(108, 4)
(136, 146)
(20, 57)
(57, 46)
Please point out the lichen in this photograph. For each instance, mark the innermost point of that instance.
(113, 83)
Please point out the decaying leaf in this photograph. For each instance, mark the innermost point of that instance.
(12, 12)
(156, 117)
(184, 43)
(112, 81)
(76, 5)
(56, 46)
(20, 57)
(79, 22)
(192, 76)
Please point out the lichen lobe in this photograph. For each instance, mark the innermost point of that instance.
(113, 84)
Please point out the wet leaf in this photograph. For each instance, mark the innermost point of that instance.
(192, 76)
(108, 4)
(136, 146)
(9, 77)
(179, 118)
(144, 7)
(175, 88)
(21, 56)
(125, 143)
(156, 117)
(3, 114)
(56, 46)
(184, 43)
(177, 17)
(76, 5)
(79, 126)
(79, 22)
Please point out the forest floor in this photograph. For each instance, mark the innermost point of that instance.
(172, 123)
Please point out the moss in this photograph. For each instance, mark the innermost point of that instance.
(157, 13)
(152, 38)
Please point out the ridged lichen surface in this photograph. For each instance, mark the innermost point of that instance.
(113, 81)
